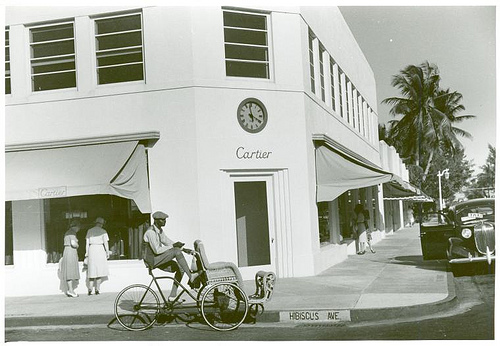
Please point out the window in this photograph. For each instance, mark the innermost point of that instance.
(324, 223)
(322, 73)
(332, 83)
(311, 62)
(125, 225)
(9, 239)
(52, 61)
(246, 45)
(7, 62)
(360, 106)
(341, 94)
(119, 50)
(346, 98)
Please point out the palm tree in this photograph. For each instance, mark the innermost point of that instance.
(428, 114)
(446, 106)
(418, 85)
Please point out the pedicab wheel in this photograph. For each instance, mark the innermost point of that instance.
(224, 306)
(137, 307)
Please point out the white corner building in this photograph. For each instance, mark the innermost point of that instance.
(254, 129)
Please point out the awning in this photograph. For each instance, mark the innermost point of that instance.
(338, 171)
(401, 190)
(118, 169)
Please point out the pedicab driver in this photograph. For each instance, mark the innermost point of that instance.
(164, 251)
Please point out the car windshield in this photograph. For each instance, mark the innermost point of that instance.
(476, 212)
(434, 219)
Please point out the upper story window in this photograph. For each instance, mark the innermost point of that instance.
(246, 44)
(341, 88)
(322, 72)
(52, 58)
(361, 110)
(332, 83)
(119, 49)
(346, 98)
(311, 62)
(7, 62)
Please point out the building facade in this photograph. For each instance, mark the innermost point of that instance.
(247, 126)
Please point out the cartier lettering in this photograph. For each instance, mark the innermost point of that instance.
(242, 153)
(52, 192)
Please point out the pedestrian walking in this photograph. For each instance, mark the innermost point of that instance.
(68, 265)
(359, 224)
(411, 218)
(97, 254)
(366, 215)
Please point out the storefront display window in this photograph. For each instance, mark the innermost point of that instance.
(323, 221)
(345, 214)
(124, 223)
(9, 241)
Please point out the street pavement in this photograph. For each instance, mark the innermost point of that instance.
(392, 283)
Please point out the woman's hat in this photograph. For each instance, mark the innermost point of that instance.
(100, 220)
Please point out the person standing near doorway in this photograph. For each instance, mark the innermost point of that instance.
(359, 220)
(97, 254)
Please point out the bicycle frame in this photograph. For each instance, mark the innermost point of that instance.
(167, 303)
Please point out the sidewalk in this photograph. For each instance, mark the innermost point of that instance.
(393, 282)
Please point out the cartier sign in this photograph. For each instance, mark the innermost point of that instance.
(242, 154)
(52, 192)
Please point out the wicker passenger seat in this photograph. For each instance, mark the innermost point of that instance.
(217, 271)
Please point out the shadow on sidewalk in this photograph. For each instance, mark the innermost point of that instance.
(418, 262)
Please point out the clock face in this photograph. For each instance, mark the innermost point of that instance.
(252, 115)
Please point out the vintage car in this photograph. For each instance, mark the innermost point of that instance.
(463, 234)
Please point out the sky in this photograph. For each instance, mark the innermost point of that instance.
(460, 40)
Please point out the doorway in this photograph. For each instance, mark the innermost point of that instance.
(252, 223)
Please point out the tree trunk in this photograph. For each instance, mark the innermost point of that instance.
(428, 166)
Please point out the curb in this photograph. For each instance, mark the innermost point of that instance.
(271, 316)
(365, 315)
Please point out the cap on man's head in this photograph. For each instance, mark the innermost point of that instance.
(159, 215)
(100, 220)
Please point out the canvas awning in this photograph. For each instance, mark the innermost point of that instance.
(117, 168)
(401, 190)
(337, 171)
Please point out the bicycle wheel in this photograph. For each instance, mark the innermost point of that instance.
(137, 307)
(224, 306)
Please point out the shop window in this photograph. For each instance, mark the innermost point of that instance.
(125, 225)
(9, 240)
(246, 44)
(53, 61)
(323, 222)
(322, 73)
(7, 62)
(311, 63)
(346, 214)
(119, 49)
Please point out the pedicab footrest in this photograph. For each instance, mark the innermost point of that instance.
(264, 287)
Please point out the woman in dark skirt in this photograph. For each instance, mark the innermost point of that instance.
(70, 273)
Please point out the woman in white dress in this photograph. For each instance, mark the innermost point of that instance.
(69, 271)
(97, 254)
(360, 228)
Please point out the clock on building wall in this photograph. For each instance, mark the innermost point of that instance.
(252, 115)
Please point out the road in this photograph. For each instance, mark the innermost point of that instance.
(470, 319)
